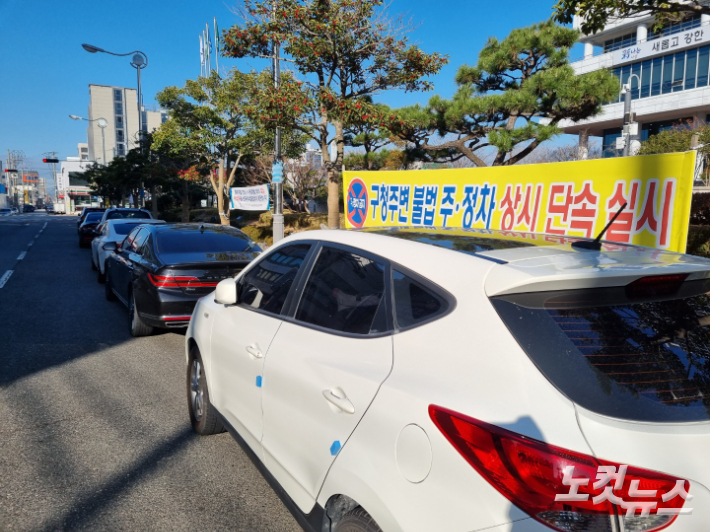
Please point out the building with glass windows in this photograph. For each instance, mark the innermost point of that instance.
(667, 70)
(119, 106)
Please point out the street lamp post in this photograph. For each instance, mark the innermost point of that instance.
(630, 128)
(102, 123)
(139, 61)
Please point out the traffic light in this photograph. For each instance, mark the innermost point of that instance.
(10, 170)
(50, 160)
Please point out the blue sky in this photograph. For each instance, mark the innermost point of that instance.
(44, 72)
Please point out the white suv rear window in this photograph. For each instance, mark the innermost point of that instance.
(639, 358)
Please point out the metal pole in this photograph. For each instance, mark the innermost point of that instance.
(140, 130)
(103, 144)
(278, 223)
(627, 119)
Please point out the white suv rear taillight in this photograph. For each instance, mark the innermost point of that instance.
(534, 476)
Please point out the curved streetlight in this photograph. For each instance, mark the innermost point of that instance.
(139, 61)
(102, 123)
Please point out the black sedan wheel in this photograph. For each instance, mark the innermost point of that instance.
(110, 296)
(138, 327)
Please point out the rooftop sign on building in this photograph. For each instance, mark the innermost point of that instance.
(660, 46)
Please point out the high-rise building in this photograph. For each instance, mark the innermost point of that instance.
(82, 149)
(668, 71)
(153, 119)
(119, 107)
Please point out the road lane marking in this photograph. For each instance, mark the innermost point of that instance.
(5, 277)
(45, 225)
(30, 244)
(22, 255)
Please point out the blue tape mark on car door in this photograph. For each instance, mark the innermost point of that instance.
(335, 448)
(258, 381)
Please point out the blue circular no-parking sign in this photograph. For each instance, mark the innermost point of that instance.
(357, 202)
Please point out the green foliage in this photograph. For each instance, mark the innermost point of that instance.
(501, 99)
(676, 140)
(383, 159)
(343, 51)
(596, 13)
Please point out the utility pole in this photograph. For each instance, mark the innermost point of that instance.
(277, 170)
(631, 128)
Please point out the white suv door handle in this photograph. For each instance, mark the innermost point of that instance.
(337, 397)
(254, 351)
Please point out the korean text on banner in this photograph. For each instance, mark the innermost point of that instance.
(574, 199)
(249, 198)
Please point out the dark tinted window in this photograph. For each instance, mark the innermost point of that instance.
(126, 244)
(123, 229)
(640, 360)
(138, 241)
(93, 217)
(343, 292)
(415, 303)
(267, 284)
(127, 214)
(208, 241)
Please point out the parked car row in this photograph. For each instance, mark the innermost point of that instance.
(424, 380)
(160, 270)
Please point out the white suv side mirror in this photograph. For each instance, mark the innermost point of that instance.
(226, 292)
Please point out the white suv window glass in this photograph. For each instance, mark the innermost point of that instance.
(413, 302)
(343, 292)
(267, 284)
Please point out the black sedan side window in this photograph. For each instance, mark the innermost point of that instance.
(266, 285)
(126, 245)
(138, 241)
(344, 293)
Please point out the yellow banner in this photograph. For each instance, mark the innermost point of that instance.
(565, 199)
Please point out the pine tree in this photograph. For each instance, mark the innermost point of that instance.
(509, 102)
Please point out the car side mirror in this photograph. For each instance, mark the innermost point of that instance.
(226, 292)
(110, 246)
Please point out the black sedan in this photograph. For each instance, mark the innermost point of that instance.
(88, 210)
(87, 229)
(160, 271)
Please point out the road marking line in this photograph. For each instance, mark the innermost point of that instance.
(45, 225)
(30, 244)
(22, 255)
(5, 278)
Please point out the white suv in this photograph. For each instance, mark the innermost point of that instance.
(438, 380)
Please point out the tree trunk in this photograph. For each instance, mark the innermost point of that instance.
(223, 214)
(334, 177)
(185, 201)
(154, 200)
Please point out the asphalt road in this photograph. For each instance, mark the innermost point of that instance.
(95, 432)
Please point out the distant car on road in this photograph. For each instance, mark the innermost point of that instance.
(28, 208)
(109, 236)
(6, 212)
(14, 210)
(87, 229)
(88, 210)
(426, 380)
(160, 271)
(112, 214)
